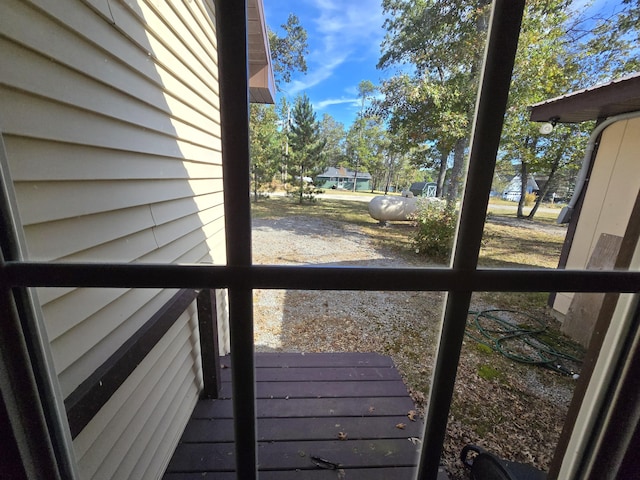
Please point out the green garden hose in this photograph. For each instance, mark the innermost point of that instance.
(523, 338)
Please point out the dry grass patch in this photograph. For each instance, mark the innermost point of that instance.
(512, 409)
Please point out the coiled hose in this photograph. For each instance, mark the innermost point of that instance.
(526, 341)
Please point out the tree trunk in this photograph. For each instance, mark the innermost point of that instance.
(255, 186)
(524, 179)
(441, 174)
(389, 175)
(355, 177)
(456, 172)
(301, 184)
(547, 186)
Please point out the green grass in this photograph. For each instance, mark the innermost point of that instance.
(503, 246)
(487, 372)
(338, 210)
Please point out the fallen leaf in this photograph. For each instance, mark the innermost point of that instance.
(412, 415)
(342, 436)
(401, 426)
(372, 409)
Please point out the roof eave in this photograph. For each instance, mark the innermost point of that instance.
(601, 101)
(262, 85)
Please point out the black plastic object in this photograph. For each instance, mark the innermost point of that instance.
(487, 466)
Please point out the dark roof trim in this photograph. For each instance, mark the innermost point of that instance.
(601, 101)
(262, 86)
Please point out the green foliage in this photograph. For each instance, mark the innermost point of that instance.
(306, 156)
(288, 51)
(529, 199)
(265, 147)
(482, 348)
(366, 145)
(488, 372)
(268, 145)
(435, 229)
(435, 102)
(612, 50)
(333, 134)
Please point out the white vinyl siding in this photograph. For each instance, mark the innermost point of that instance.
(110, 117)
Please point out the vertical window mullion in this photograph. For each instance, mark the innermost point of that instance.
(502, 42)
(231, 20)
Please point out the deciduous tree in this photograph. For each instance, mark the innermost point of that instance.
(265, 146)
(288, 51)
(443, 42)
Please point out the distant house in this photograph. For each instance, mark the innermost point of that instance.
(423, 189)
(514, 189)
(342, 178)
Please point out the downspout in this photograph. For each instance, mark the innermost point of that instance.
(588, 159)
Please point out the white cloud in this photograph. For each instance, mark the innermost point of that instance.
(342, 30)
(334, 101)
(315, 76)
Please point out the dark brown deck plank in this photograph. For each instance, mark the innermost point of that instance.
(201, 457)
(303, 402)
(293, 374)
(293, 429)
(311, 407)
(398, 473)
(327, 389)
(364, 388)
(319, 360)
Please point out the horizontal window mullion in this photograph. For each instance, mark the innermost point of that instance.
(42, 274)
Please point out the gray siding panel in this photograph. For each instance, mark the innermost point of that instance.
(110, 118)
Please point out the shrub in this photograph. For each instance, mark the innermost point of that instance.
(435, 229)
(529, 199)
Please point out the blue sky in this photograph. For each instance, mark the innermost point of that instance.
(344, 47)
(344, 39)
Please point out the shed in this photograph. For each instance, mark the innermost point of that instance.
(424, 189)
(602, 211)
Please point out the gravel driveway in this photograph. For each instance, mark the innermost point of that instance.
(405, 326)
(328, 320)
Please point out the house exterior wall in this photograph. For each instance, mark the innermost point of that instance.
(109, 114)
(610, 196)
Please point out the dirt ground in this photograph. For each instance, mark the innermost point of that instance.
(511, 409)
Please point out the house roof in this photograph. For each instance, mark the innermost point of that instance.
(600, 101)
(420, 185)
(343, 172)
(262, 86)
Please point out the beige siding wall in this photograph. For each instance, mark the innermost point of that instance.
(109, 113)
(613, 188)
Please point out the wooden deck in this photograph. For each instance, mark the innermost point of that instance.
(306, 402)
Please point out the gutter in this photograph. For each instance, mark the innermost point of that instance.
(588, 159)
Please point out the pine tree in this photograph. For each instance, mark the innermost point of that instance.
(306, 146)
